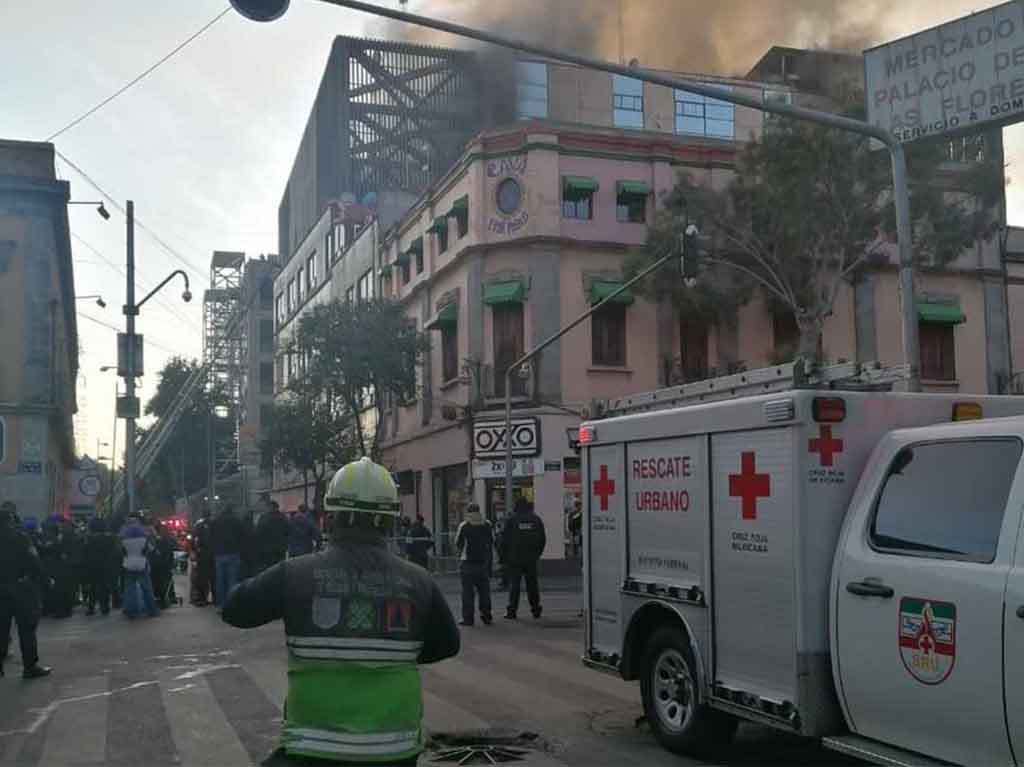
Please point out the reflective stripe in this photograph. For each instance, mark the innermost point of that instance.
(323, 746)
(375, 643)
(351, 737)
(309, 740)
(328, 653)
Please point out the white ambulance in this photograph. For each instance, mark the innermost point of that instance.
(841, 564)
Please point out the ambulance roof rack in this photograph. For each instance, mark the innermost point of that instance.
(793, 375)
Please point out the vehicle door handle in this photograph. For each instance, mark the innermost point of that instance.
(870, 589)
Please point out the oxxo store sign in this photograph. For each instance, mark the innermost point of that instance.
(489, 448)
(958, 77)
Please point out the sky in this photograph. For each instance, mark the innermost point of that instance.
(204, 144)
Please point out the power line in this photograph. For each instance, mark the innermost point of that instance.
(149, 341)
(138, 222)
(138, 285)
(140, 77)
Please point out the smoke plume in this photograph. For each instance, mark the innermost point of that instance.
(723, 37)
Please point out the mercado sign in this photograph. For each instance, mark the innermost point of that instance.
(959, 77)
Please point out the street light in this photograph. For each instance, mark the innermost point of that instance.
(99, 299)
(104, 213)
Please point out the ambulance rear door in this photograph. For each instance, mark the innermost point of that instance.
(604, 549)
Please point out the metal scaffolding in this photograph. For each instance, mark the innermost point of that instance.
(223, 356)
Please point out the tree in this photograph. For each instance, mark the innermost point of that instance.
(810, 207)
(361, 354)
(309, 432)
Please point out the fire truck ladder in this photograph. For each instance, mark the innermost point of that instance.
(792, 375)
(162, 431)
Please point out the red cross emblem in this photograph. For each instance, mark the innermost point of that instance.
(748, 485)
(825, 446)
(604, 488)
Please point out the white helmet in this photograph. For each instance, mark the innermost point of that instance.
(365, 487)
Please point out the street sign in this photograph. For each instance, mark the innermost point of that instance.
(489, 438)
(521, 467)
(127, 407)
(89, 485)
(962, 76)
(122, 355)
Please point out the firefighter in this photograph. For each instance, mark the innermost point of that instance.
(523, 540)
(358, 620)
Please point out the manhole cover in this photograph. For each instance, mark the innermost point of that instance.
(478, 748)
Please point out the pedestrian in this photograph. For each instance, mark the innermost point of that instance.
(303, 533)
(161, 565)
(420, 542)
(356, 636)
(102, 563)
(475, 544)
(201, 577)
(272, 534)
(576, 529)
(524, 540)
(138, 585)
(250, 555)
(227, 537)
(21, 581)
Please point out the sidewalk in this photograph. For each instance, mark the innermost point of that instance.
(570, 584)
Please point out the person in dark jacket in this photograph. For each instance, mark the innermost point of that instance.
(102, 564)
(475, 543)
(161, 565)
(303, 532)
(227, 537)
(21, 581)
(201, 577)
(523, 540)
(272, 536)
(358, 620)
(420, 542)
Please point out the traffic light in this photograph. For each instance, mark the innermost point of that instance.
(689, 255)
(261, 10)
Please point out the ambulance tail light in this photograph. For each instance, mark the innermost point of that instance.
(966, 411)
(587, 434)
(828, 409)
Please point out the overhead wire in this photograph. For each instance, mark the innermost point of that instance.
(116, 329)
(137, 79)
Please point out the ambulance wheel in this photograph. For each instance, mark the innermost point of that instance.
(668, 686)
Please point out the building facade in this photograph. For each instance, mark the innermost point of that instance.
(38, 334)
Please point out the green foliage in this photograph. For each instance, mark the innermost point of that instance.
(360, 354)
(807, 208)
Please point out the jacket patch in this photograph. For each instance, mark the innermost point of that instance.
(326, 612)
(361, 615)
(397, 616)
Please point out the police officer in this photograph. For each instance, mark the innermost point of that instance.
(358, 620)
(21, 579)
(524, 540)
(475, 544)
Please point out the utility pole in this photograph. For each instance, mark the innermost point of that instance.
(130, 311)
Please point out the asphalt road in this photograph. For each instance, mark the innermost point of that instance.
(186, 689)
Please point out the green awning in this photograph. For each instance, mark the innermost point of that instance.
(440, 226)
(601, 289)
(447, 317)
(460, 206)
(945, 314)
(402, 260)
(636, 188)
(416, 246)
(508, 292)
(385, 271)
(578, 185)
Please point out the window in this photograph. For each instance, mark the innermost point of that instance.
(507, 321)
(442, 239)
(966, 149)
(299, 278)
(631, 202)
(292, 303)
(350, 295)
(419, 262)
(266, 378)
(785, 336)
(266, 336)
(627, 102)
(279, 310)
(406, 271)
(267, 293)
(266, 415)
(532, 89)
(578, 197)
(279, 371)
(312, 278)
(364, 289)
(938, 351)
(449, 353)
(705, 116)
(946, 499)
(509, 196)
(693, 350)
(608, 329)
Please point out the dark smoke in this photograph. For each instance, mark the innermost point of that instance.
(724, 37)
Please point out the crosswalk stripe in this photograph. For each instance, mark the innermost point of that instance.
(439, 715)
(77, 731)
(137, 729)
(251, 714)
(200, 728)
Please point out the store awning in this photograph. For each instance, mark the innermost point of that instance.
(945, 314)
(385, 271)
(578, 185)
(440, 226)
(447, 317)
(403, 259)
(634, 188)
(416, 246)
(507, 292)
(601, 289)
(460, 207)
